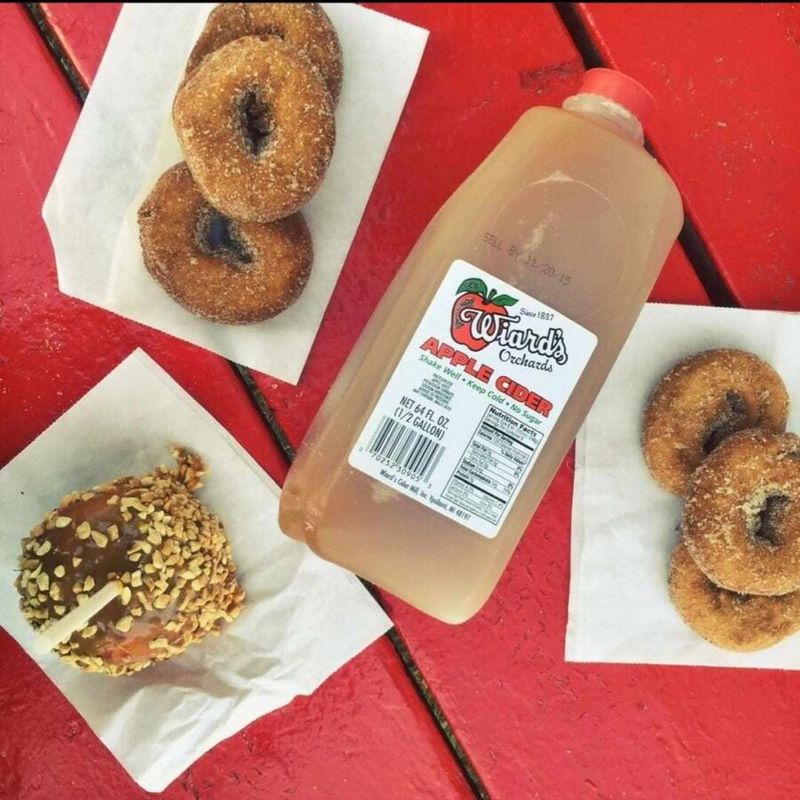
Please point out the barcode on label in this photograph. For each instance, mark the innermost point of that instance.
(406, 448)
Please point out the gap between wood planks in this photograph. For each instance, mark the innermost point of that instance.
(700, 258)
(81, 90)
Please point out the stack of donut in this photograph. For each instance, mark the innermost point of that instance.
(714, 434)
(222, 231)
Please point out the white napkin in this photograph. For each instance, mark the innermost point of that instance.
(304, 617)
(624, 526)
(124, 140)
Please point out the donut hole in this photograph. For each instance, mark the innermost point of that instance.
(256, 121)
(732, 417)
(722, 599)
(715, 594)
(767, 513)
(739, 599)
(218, 236)
(270, 31)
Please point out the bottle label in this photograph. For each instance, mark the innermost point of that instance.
(473, 399)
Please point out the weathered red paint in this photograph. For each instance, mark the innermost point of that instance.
(83, 29)
(365, 733)
(534, 726)
(361, 735)
(724, 76)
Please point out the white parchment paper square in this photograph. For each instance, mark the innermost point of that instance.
(624, 526)
(304, 617)
(124, 140)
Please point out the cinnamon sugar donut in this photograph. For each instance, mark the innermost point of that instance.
(256, 126)
(303, 26)
(741, 521)
(700, 402)
(727, 619)
(223, 270)
(150, 533)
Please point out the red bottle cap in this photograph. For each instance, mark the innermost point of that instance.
(622, 89)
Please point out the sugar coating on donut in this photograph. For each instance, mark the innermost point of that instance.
(701, 401)
(740, 521)
(257, 129)
(224, 270)
(303, 26)
(727, 619)
(150, 532)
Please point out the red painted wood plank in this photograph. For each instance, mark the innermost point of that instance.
(83, 29)
(725, 77)
(361, 735)
(365, 731)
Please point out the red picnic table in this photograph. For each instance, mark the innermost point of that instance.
(488, 708)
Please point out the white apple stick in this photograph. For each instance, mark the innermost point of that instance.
(61, 631)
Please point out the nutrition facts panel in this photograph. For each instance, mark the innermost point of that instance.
(493, 464)
(469, 406)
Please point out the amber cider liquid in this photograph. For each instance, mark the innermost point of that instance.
(569, 208)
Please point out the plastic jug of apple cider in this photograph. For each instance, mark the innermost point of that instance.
(465, 391)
